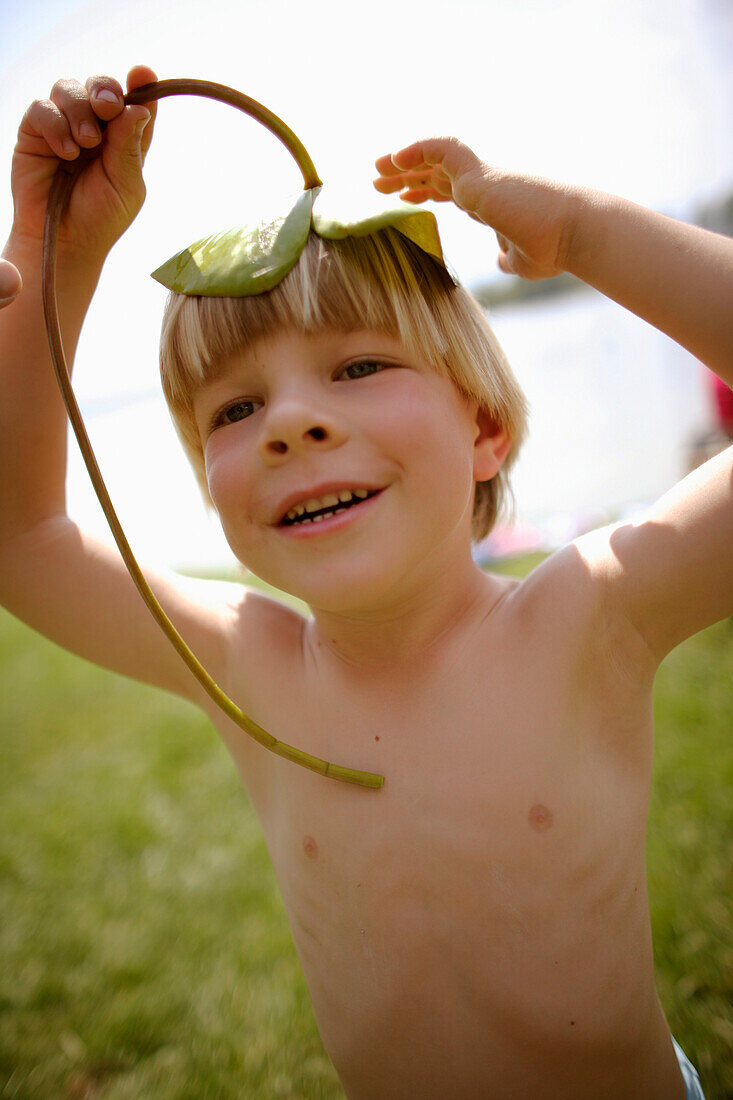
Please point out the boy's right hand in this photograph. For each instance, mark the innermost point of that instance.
(533, 218)
(110, 191)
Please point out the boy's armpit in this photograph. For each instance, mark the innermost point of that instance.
(77, 592)
(672, 571)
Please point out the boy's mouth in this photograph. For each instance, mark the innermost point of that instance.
(316, 509)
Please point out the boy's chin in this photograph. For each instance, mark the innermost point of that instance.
(335, 593)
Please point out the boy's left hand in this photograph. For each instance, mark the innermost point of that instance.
(533, 217)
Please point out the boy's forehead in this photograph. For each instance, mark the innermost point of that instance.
(307, 347)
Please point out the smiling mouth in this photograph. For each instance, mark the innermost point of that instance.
(317, 509)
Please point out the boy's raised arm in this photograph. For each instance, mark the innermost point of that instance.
(104, 201)
(672, 573)
(62, 583)
(677, 277)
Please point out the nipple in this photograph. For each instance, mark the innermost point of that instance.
(540, 818)
(310, 847)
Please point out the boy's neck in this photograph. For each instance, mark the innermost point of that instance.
(417, 625)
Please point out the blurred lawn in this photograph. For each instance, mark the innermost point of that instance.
(144, 951)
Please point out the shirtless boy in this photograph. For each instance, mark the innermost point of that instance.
(479, 927)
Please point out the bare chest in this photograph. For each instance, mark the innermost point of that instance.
(480, 925)
(491, 893)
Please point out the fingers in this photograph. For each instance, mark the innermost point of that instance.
(416, 197)
(398, 173)
(83, 110)
(139, 75)
(89, 124)
(504, 264)
(123, 151)
(429, 179)
(130, 130)
(136, 78)
(506, 255)
(45, 132)
(448, 153)
(417, 187)
(419, 194)
(69, 120)
(10, 283)
(397, 180)
(419, 155)
(386, 166)
(424, 170)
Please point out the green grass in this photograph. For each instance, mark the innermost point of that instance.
(144, 951)
(689, 851)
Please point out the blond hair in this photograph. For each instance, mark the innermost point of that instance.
(382, 282)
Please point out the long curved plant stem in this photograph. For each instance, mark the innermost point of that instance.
(61, 189)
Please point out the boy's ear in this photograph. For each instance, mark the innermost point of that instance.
(491, 446)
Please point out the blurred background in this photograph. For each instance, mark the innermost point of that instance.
(625, 97)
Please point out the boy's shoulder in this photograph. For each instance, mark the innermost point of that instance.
(264, 625)
(569, 602)
(571, 577)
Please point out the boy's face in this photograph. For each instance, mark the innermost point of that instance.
(338, 464)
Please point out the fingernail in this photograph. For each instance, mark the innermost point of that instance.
(70, 148)
(106, 96)
(7, 301)
(89, 131)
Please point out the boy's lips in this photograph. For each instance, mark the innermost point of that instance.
(296, 508)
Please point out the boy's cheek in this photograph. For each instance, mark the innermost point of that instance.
(227, 484)
(211, 479)
(234, 494)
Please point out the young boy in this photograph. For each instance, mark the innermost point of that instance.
(479, 926)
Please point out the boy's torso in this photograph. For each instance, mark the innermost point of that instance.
(479, 926)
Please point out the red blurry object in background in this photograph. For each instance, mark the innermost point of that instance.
(723, 399)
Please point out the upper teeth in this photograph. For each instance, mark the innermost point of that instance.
(330, 500)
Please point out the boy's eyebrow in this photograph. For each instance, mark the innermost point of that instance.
(246, 364)
(220, 372)
(209, 384)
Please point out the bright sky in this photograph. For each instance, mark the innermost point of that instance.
(624, 96)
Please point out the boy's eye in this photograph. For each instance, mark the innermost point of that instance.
(362, 368)
(238, 411)
(231, 414)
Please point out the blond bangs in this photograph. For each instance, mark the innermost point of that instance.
(381, 283)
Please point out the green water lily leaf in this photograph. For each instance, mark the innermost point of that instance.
(247, 259)
(250, 259)
(419, 226)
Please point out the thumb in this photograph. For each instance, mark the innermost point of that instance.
(504, 259)
(505, 264)
(123, 151)
(10, 282)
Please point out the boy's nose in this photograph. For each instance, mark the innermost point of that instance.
(295, 429)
